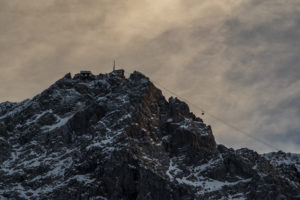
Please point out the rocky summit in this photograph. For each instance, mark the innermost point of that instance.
(110, 137)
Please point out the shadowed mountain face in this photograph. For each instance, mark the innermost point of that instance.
(110, 137)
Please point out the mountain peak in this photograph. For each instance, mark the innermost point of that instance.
(106, 136)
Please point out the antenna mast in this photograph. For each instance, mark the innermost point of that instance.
(114, 67)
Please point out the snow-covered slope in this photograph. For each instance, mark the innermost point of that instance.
(110, 137)
(280, 158)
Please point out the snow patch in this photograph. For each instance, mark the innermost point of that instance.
(61, 122)
(173, 170)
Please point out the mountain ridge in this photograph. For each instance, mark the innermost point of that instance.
(110, 137)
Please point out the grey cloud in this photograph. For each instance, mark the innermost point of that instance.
(238, 60)
(264, 51)
(285, 139)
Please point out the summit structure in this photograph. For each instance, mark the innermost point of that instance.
(110, 137)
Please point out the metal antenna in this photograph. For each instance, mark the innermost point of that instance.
(114, 66)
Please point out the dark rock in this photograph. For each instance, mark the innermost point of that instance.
(108, 137)
(4, 150)
(68, 76)
(47, 119)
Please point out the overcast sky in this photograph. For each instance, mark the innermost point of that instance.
(237, 59)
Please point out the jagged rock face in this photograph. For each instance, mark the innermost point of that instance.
(111, 137)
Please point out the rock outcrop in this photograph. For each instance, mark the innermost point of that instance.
(110, 137)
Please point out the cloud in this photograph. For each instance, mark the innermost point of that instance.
(236, 59)
(264, 46)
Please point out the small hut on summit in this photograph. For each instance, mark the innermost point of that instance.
(85, 74)
(119, 72)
